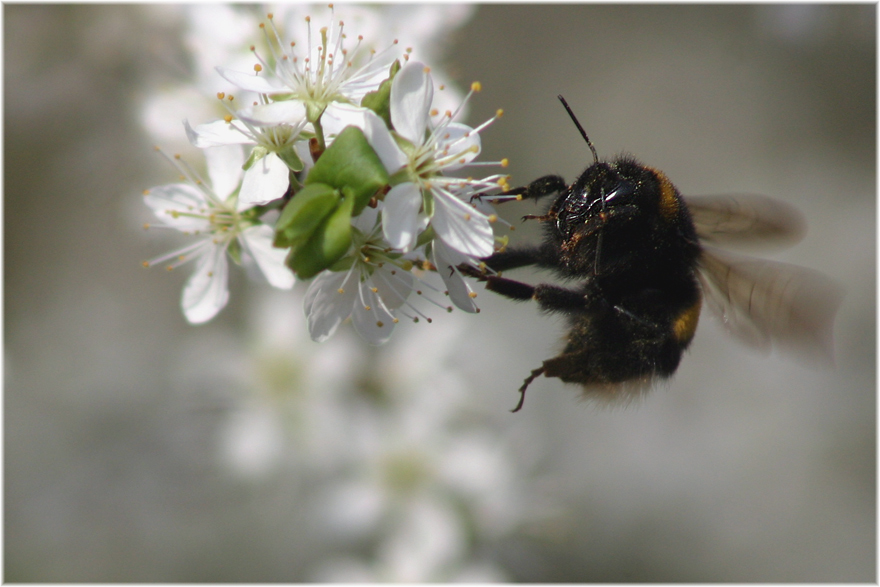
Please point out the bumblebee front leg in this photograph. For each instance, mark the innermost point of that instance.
(549, 297)
(541, 187)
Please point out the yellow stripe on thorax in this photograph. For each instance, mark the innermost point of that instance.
(669, 203)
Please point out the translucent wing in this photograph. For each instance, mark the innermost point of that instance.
(745, 219)
(769, 304)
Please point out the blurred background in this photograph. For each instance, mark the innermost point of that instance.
(140, 448)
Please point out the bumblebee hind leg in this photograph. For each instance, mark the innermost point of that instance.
(522, 390)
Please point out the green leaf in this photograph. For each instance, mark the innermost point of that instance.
(327, 245)
(379, 101)
(304, 214)
(350, 162)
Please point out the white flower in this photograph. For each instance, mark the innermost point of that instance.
(267, 177)
(317, 70)
(432, 150)
(221, 224)
(369, 292)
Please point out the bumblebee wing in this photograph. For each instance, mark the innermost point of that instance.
(745, 219)
(769, 304)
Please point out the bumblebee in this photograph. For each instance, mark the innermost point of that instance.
(640, 262)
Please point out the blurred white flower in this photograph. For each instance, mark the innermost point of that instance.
(210, 212)
(424, 480)
(222, 34)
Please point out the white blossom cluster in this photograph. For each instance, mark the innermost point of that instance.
(401, 474)
(332, 163)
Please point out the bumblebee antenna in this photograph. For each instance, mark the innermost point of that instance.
(580, 128)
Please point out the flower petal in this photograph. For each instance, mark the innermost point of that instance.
(249, 81)
(337, 116)
(372, 319)
(447, 260)
(400, 215)
(224, 169)
(328, 302)
(173, 204)
(394, 285)
(461, 226)
(258, 241)
(218, 134)
(461, 143)
(291, 112)
(266, 180)
(411, 94)
(206, 292)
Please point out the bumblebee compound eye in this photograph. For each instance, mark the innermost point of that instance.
(621, 191)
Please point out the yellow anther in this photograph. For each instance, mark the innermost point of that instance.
(374, 289)
(499, 113)
(367, 308)
(505, 162)
(379, 324)
(395, 320)
(434, 112)
(258, 68)
(340, 291)
(493, 218)
(146, 264)
(228, 118)
(146, 192)
(169, 268)
(221, 95)
(427, 69)
(476, 86)
(472, 294)
(146, 225)
(270, 16)
(467, 216)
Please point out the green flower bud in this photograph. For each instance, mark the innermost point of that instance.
(328, 244)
